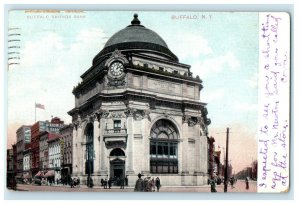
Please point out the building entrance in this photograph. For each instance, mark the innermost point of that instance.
(117, 166)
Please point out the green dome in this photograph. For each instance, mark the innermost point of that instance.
(137, 38)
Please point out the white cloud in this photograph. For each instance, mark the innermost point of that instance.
(248, 107)
(213, 65)
(50, 67)
(194, 46)
(253, 81)
(41, 51)
(213, 95)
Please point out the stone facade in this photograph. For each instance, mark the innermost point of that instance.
(23, 137)
(44, 150)
(66, 150)
(54, 156)
(139, 112)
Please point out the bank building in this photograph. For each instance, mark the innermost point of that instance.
(138, 110)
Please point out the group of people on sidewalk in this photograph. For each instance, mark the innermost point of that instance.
(232, 181)
(147, 184)
(107, 183)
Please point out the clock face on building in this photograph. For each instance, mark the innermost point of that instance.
(116, 69)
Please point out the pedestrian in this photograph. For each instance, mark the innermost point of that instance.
(139, 184)
(213, 185)
(148, 185)
(105, 183)
(247, 183)
(109, 182)
(78, 182)
(232, 182)
(126, 180)
(153, 185)
(72, 183)
(157, 183)
(102, 182)
(122, 180)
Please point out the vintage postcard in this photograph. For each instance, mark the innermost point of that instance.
(139, 101)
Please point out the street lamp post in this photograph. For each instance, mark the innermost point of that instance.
(226, 167)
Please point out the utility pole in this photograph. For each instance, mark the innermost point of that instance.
(226, 164)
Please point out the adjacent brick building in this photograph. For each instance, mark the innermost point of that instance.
(66, 150)
(23, 137)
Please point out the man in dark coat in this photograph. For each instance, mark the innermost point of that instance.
(213, 185)
(139, 184)
(126, 181)
(109, 182)
(122, 181)
(157, 183)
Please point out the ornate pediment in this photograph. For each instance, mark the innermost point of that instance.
(191, 120)
(137, 114)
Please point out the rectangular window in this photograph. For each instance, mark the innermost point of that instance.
(161, 69)
(117, 124)
(153, 167)
(173, 151)
(165, 150)
(159, 150)
(146, 65)
(175, 72)
(159, 169)
(164, 167)
(153, 149)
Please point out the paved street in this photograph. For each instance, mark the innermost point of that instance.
(239, 187)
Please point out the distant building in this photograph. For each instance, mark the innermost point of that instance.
(254, 170)
(44, 160)
(54, 157)
(10, 168)
(36, 130)
(23, 137)
(66, 150)
(217, 163)
(27, 175)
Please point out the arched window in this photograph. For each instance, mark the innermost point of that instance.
(163, 147)
(89, 165)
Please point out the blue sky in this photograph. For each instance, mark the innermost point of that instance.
(56, 48)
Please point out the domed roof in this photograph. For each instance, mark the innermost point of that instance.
(136, 33)
(138, 38)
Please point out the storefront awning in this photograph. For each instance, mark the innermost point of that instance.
(49, 173)
(39, 174)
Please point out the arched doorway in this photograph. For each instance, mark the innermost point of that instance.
(164, 138)
(117, 165)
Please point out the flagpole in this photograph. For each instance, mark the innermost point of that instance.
(34, 112)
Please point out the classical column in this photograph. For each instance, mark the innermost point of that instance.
(75, 150)
(103, 117)
(197, 150)
(203, 153)
(146, 134)
(129, 163)
(96, 145)
(78, 145)
(81, 150)
(184, 145)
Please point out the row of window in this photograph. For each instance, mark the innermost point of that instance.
(163, 147)
(160, 68)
